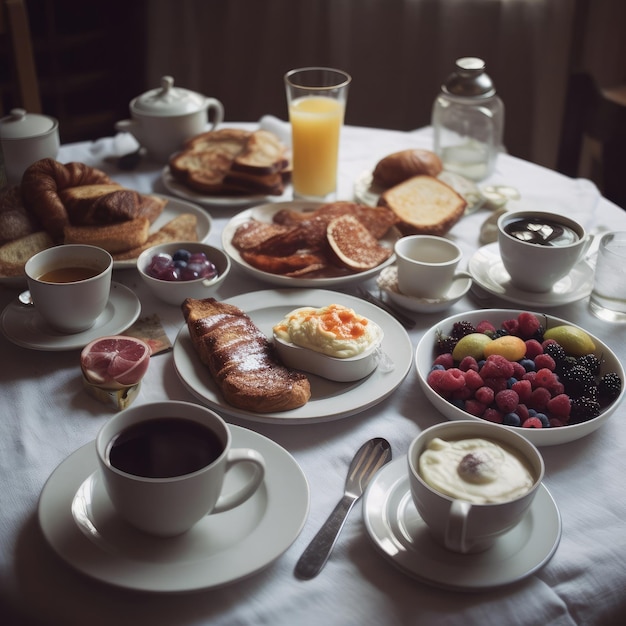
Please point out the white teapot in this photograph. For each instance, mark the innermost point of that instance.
(163, 118)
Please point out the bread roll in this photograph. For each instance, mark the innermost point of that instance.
(400, 166)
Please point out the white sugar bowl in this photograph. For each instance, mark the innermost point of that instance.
(163, 119)
(26, 138)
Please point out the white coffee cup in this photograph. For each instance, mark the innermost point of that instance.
(427, 265)
(535, 267)
(460, 525)
(70, 285)
(169, 505)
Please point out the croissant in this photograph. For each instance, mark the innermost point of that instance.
(400, 166)
(241, 359)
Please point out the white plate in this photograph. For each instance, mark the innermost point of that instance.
(79, 522)
(398, 531)
(329, 400)
(388, 282)
(488, 272)
(366, 192)
(180, 190)
(265, 213)
(174, 208)
(24, 326)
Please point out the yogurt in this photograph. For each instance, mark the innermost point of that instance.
(333, 330)
(478, 470)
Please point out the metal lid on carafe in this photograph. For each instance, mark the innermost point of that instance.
(469, 79)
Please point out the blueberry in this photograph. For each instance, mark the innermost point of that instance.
(437, 367)
(528, 365)
(457, 402)
(511, 382)
(181, 255)
(512, 419)
(545, 422)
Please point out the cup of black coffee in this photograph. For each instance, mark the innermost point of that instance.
(163, 465)
(539, 248)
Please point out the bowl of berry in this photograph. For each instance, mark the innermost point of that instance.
(179, 270)
(537, 374)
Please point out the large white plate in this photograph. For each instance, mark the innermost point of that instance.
(265, 213)
(180, 190)
(329, 400)
(25, 327)
(488, 272)
(79, 522)
(397, 530)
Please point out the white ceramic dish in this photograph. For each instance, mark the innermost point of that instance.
(174, 292)
(425, 355)
(79, 522)
(400, 534)
(488, 272)
(176, 188)
(330, 400)
(388, 281)
(265, 213)
(25, 327)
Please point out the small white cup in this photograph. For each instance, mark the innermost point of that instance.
(427, 265)
(458, 525)
(168, 506)
(70, 307)
(534, 267)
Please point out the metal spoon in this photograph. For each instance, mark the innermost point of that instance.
(25, 298)
(370, 457)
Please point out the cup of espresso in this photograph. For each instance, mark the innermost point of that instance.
(164, 464)
(70, 285)
(427, 265)
(471, 482)
(539, 248)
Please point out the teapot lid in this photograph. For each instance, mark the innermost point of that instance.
(19, 124)
(168, 100)
(469, 79)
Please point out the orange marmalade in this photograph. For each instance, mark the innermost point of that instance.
(334, 330)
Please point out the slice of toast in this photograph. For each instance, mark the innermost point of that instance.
(424, 205)
(263, 154)
(112, 237)
(13, 255)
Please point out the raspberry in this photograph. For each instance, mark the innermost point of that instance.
(511, 327)
(452, 379)
(507, 400)
(496, 366)
(464, 393)
(532, 422)
(533, 348)
(539, 398)
(518, 370)
(473, 407)
(468, 363)
(528, 325)
(493, 415)
(522, 411)
(473, 380)
(559, 406)
(497, 384)
(444, 359)
(544, 378)
(434, 379)
(485, 327)
(485, 395)
(524, 389)
(545, 361)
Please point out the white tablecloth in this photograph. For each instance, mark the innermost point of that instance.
(46, 415)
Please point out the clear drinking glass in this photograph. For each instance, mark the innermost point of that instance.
(608, 296)
(316, 97)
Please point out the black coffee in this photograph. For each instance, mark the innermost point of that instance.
(164, 447)
(541, 232)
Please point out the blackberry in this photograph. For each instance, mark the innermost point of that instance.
(538, 334)
(444, 343)
(577, 380)
(556, 351)
(460, 329)
(609, 387)
(583, 409)
(500, 332)
(565, 365)
(590, 362)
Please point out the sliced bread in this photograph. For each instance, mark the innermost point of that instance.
(112, 237)
(424, 205)
(13, 255)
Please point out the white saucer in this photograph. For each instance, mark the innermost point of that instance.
(401, 535)
(488, 272)
(388, 281)
(78, 521)
(24, 326)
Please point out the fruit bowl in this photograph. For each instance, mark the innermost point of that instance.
(175, 291)
(426, 354)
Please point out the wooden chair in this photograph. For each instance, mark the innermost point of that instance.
(14, 24)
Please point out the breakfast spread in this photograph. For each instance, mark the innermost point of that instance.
(475, 470)
(241, 360)
(335, 239)
(334, 330)
(232, 161)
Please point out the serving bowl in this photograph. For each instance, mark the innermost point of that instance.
(175, 292)
(426, 354)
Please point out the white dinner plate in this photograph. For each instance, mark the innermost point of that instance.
(79, 522)
(488, 272)
(398, 531)
(367, 192)
(180, 190)
(25, 327)
(329, 400)
(265, 213)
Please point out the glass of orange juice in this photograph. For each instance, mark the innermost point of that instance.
(316, 97)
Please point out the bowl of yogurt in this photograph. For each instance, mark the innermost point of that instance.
(333, 341)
